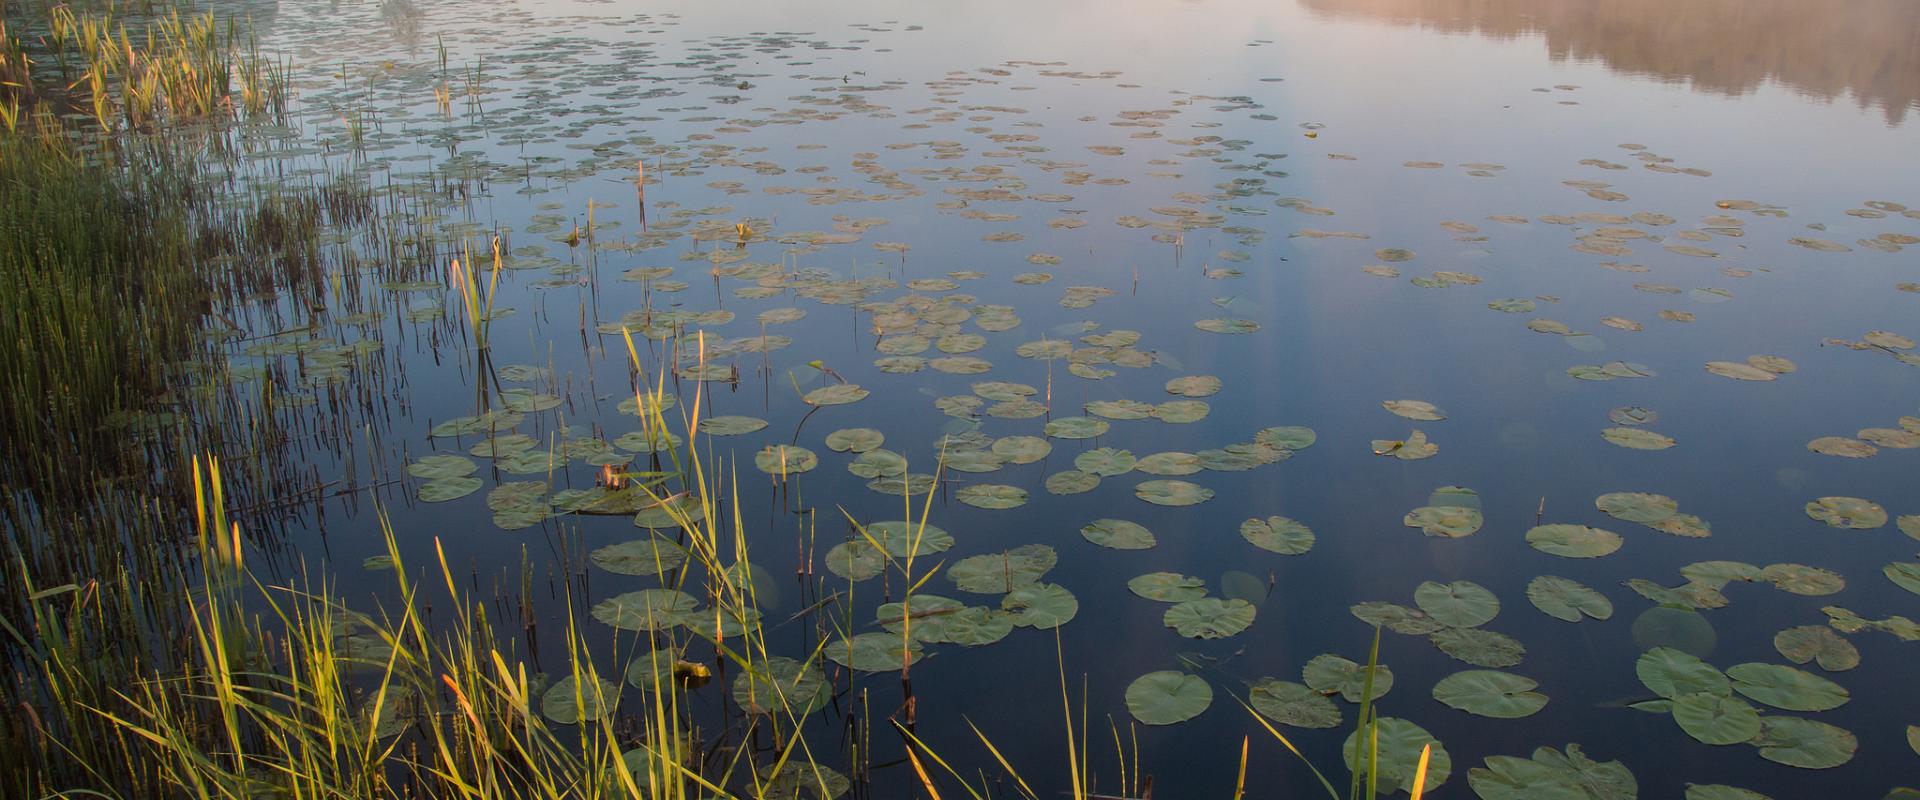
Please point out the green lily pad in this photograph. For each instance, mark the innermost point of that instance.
(1169, 464)
(1181, 411)
(1290, 703)
(1412, 448)
(674, 512)
(781, 684)
(1118, 534)
(1420, 410)
(1803, 580)
(999, 573)
(1451, 522)
(1209, 617)
(645, 610)
(1040, 605)
(1286, 437)
(1278, 534)
(874, 652)
(901, 539)
(1120, 409)
(1910, 525)
(854, 440)
(1552, 775)
(1461, 604)
(1071, 481)
(798, 779)
(1716, 719)
(1167, 697)
(1573, 541)
(1022, 449)
(1640, 507)
(650, 556)
(444, 489)
(1223, 325)
(1488, 693)
(839, 394)
(1788, 688)
(731, 425)
(1851, 513)
(1399, 745)
(1566, 599)
(1637, 438)
(1819, 644)
(1168, 587)
(1479, 647)
(1805, 743)
(1194, 386)
(992, 496)
(1904, 574)
(1397, 618)
(785, 459)
(924, 617)
(1076, 428)
(1330, 674)
(1740, 371)
(442, 467)
(1672, 674)
(1172, 493)
(1105, 462)
(1718, 574)
(878, 463)
(1719, 791)
(856, 560)
(974, 461)
(569, 701)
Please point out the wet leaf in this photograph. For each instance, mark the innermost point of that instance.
(1479, 647)
(1118, 534)
(1817, 643)
(1850, 513)
(1805, 743)
(992, 496)
(1568, 600)
(1167, 697)
(1637, 438)
(1209, 617)
(1399, 747)
(1278, 534)
(1460, 604)
(1487, 693)
(1172, 493)
(1573, 541)
(1041, 605)
(1330, 674)
(1785, 687)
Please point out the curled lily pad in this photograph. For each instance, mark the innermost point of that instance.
(1633, 415)
(1573, 541)
(1209, 617)
(1278, 534)
(1805, 743)
(1461, 604)
(839, 394)
(1040, 605)
(1784, 687)
(1076, 428)
(1172, 493)
(1851, 513)
(1413, 448)
(1118, 534)
(1398, 756)
(1637, 438)
(1565, 599)
(1817, 643)
(785, 459)
(992, 496)
(1330, 674)
(1415, 410)
(1488, 693)
(1105, 462)
(1290, 703)
(1479, 647)
(1167, 697)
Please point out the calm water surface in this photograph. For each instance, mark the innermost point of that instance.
(1505, 144)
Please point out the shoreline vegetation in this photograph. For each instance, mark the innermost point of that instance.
(150, 658)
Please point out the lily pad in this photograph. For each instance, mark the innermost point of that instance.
(1805, 743)
(1487, 693)
(1022, 449)
(1640, 507)
(1076, 428)
(1851, 513)
(1552, 775)
(1118, 534)
(1286, 437)
(785, 459)
(1573, 541)
(1172, 493)
(992, 496)
(650, 556)
(1071, 481)
(1209, 617)
(1330, 674)
(1168, 587)
(1672, 674)
(645, 610)
(444, 489)
(1819, 644)
(1479, 647)
(1449, 521)
(1716, 719)
(1278, 534)
(999, 573)
(1637, 438)
(1787, 688)
(1415, 410)
(1167, 697)
(1040, 605)
(1566, 599)
(874, 652)
(1105, 462)
(731, 425)
(1461, 604)
(570, 701)
(1399, 745)
(1290, 703)
(839, 394)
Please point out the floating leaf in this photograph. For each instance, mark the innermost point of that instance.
(569, 701)
(1105, 462)
(1399, 745)
(1172, 493)
(1330, 674)
(1573, 541)
(1551, 775)
(1227, 325)
(785, 459)
(854, 440)
(1397, 618)
(1851, 513)
(1785, 687)
(1640, 507)
(444, 489)
(1167, 697)
(1740, 371)
(1415, 410)
(1461, 604)
(999, 573)
(1488, 693)
(1290, 703)
(1286, 437)
(1076, 428)
(1209, 617)
(650, 556)
(1171, 464)
(992, 496)
(1842, 447)
(839, 394)
(1022, 449)
(1040, 605)
(1479, 647)
(1278, 534)
(1168, 587)
(1716, 719)
(1565, 599)
(1118, 534)
(1817, 643)
(778, 683)
(1905, 575)
(731, 425)
(1413, 448)
(645, 610)
(874, 652)
(1672, 674)
(1805, 743)
(1637, 438)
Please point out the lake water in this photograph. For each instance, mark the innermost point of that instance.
(1351, 187)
